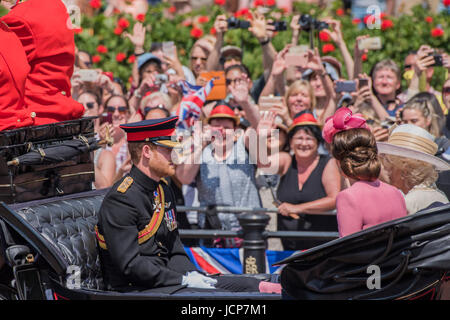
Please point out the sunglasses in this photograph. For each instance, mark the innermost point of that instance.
(196, 58)
(121, 109)
(229, 58)
(230, 81)
(408, 66)
(88, 64)
(446, 90)
(90, 105)
(159, 106)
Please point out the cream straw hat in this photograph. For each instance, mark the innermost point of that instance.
(413, 142)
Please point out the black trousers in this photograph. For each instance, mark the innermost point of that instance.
(225, 283)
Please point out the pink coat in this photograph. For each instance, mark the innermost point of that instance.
(366, 204)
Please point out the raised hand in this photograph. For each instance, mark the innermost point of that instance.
(336, 32)
(446, 61)
(282, 111)
(138, 36)
(258, 26)
(221, 24)
(174, 63)
(294, 25)
(266, 122)
(279, 65)
(424, 59)
(315, 62)
(358, 52)
(147, 84)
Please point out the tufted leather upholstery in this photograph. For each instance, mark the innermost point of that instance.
(68, 225)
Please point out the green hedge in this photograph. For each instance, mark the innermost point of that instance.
(407, 33)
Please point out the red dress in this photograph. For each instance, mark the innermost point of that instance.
(42, 27)
(13, 73)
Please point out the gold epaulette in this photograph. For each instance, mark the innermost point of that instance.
(126, 183)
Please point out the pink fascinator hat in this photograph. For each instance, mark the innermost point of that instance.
(342, 120)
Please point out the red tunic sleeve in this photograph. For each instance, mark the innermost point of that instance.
(13, 72)
(23, 31)
(42, 28)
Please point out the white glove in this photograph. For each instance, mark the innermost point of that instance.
(194, 279)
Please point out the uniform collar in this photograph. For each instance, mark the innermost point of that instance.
(143, 180)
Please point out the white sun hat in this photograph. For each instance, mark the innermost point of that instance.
(413, 142)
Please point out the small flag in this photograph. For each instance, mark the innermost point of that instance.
(191, 104)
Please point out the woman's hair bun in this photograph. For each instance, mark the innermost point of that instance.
(356, 150)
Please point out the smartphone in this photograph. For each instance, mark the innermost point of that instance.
(298, 49)
(373, 43)
(219, 90)
(297, 56)
(363, 83)
(88, 75)
(106, 117)
(168, 48)
(267, 102)
(346, 86)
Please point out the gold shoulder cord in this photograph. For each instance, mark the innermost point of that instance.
(150, 229)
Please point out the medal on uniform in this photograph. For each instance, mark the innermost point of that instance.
(171, 222)
(157, 205)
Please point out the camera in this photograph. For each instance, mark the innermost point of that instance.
(438, 62)
(308, 23)
(161, 78)
(280, 25)
(234, 23)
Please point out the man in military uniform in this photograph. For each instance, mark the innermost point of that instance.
(140, 247)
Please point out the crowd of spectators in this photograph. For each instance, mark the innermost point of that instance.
(308, 177)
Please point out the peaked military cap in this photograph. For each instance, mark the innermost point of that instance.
(159, 131)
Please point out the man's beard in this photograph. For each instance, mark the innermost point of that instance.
(161, 169)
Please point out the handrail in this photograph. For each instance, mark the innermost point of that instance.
(253, 222)
(299, 235)
(226, 209)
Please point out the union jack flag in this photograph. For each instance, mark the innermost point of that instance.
(188, 88)
(191, 103)
(230, 260)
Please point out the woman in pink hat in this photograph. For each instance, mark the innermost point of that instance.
(368, 201)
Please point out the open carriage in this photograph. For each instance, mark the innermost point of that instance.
(48, 248)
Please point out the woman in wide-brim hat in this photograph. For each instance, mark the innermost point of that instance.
(309, 182)
(411, 165)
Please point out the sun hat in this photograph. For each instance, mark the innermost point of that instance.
(410, 141)
(343, 119)
(304, 118)
(231, 51)
(222, 110)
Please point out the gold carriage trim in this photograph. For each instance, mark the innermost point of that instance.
(150, 229)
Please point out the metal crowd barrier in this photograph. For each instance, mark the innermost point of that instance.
(253, 222)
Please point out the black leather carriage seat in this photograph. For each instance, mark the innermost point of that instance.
(68, 225)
